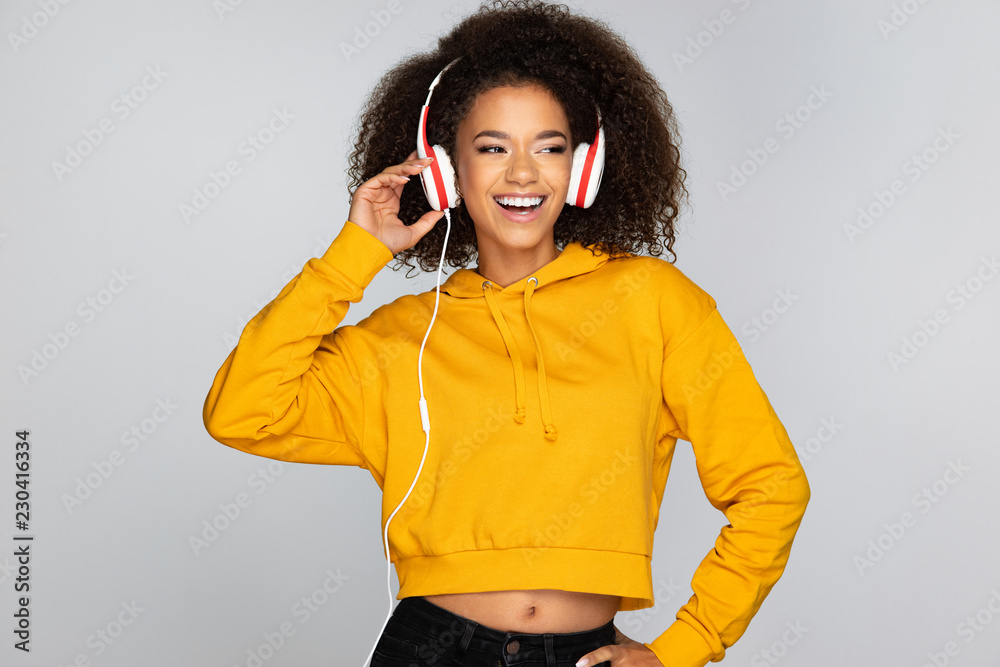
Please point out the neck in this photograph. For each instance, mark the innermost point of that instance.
(508, 267)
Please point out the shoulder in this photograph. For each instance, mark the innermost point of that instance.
(403, 320)
(659, 282)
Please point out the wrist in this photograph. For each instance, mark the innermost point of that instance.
(356, 254)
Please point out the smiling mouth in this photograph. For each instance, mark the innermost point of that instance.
(520, 210)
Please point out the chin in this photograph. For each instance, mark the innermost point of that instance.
(525, 238)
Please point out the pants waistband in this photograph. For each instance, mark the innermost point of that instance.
(441, 629)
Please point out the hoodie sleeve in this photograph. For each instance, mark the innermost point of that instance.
(291, 389)
(748, 469)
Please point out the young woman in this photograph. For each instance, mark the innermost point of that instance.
(523, 448)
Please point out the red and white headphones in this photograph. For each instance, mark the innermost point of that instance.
(440, 183)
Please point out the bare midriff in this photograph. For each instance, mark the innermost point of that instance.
(535, 611)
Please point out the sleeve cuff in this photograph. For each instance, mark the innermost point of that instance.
(357, 254)
(681, 646)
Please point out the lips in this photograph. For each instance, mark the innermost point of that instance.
(523, 213)
(520, 214)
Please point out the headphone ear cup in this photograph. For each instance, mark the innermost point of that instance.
(595, 183)
(576, 174)
(448, 177)
(587, 172)
(438, 178)
(438, 181)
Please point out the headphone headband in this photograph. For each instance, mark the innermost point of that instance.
(438, 180)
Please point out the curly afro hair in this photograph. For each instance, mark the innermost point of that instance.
(585, 65)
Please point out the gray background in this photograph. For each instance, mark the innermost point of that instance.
(855, 299)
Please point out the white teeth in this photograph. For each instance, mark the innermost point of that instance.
(519, 201)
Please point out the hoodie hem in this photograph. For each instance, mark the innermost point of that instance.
(624, 574)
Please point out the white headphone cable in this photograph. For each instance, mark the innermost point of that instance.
(425, 421)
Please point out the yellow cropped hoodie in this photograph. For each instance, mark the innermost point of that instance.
(555, 404)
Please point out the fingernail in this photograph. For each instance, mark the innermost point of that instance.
(583, 662)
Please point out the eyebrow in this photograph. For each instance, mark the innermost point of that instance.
(496, 134)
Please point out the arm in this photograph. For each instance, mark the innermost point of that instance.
(749, 471)
(290, 389)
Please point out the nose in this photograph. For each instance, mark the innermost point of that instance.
(522, 167)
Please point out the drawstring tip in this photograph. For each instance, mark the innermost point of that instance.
(551, 433)
(519, 416)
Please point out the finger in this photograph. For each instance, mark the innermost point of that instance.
(398, 184)
(392, 177)
(385, 179)
(419, 164)
(412, 157)
(426, 223)
(597, 656)
(408, 168)
(420, 228)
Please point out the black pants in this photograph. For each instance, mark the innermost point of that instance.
(421, 634)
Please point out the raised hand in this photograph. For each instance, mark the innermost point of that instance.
(375, 206)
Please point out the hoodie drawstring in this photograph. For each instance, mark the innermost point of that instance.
(543, 388)
(515, 358)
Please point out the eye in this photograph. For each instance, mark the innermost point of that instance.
(548, 149)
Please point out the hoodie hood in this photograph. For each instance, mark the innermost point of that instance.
(574, 260)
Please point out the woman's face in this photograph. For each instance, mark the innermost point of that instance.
(514, 142)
